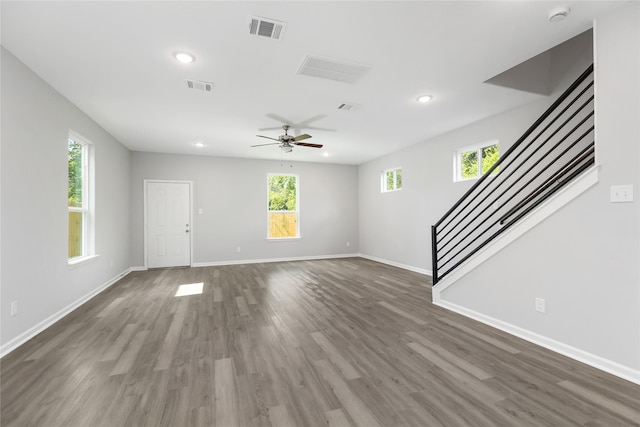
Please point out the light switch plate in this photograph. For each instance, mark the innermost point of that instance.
(621, 193)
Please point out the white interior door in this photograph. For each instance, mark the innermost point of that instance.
(168, 224)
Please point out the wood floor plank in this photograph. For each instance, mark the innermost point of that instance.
(279, 417)
(337, 418)
(54, 342)
(128, 357)
(226, 394)
(449, 356)
(360, 414)
(486, 393)
(115, 350)
(165, 356)
(402, 313)
(243, 308)
(491, 340)
(631, 414)
(347, 370)
(338, 342)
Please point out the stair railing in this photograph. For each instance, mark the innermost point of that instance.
(557, 148)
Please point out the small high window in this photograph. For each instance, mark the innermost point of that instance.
(282, 191)
(79, 193)
(472, 162)
(391, 180)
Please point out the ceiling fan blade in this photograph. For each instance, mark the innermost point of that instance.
(278, 118)
(271, 128)
(322, 129)
(261, 145)
(306, 123)
(302, 137)
(268, 137)
(306, 144)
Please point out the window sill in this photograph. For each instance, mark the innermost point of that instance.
(282, 239)
(493, 175)
(76, 262)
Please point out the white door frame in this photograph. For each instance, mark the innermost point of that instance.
(144, 193)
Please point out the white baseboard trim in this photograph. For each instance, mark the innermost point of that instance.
(138, 268)
(264, 260)
(35, 330)
(397, 264)
(590, 359)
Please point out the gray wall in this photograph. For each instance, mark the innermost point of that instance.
(36, 121)
(232, 194)
(584, 260)
(397, 226)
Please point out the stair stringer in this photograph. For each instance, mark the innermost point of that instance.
(565, 195)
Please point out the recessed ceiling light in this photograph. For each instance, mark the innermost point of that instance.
(184, 57)
(325, 154)
(199, 144)
(424, 98)
(559, 14)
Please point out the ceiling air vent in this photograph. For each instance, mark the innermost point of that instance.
(332, 69)
(200, 85)
(347, 106)
(266, 28)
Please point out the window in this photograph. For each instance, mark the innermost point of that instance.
(80, 228)
(391, 180)
(283, 206)
(472, 162)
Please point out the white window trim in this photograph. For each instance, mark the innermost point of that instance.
(77, 261)
(88, 202)
(297, 210)
(383, 180)
(457, 156)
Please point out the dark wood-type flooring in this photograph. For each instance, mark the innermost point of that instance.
(342, 342)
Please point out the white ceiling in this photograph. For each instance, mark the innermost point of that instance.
(114, 61)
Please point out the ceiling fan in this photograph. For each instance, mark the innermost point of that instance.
(286, 141)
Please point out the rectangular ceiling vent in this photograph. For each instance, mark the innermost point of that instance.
(266, 28)
(348, 106)
(200, 85)
(332, 69)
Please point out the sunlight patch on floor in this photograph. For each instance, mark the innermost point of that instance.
(189, 289)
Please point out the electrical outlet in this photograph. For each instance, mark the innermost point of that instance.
(541, 305)
(238, 249)
(348, 244)
(14, 308)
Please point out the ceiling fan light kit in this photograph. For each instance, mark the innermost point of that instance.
(286, 141)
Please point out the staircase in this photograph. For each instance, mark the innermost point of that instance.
(554, 153)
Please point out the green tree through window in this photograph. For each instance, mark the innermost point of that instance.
(473, 162)
(75, 155)
(391, 180)
(80, 226)
(490, 155)
(283, 206)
